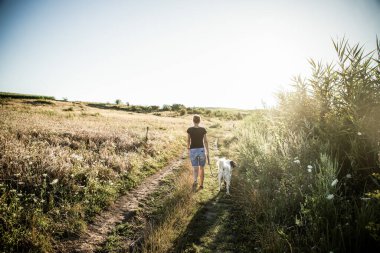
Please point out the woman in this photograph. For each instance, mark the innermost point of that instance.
(196, 143)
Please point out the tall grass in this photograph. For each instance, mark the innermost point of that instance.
(307, 166)
(57, 172)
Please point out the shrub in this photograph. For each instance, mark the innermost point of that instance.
(307, 164)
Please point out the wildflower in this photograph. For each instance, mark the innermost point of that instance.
(19, 194)
(309, 170)
(77, 157)
(42, 201)
(21, 183)
(72, 175)
(330, 196)
(297, 161)
(30, 163)
(334, 182)
(348, 176)
(13, 191)
(54, 181)
(44, 175)
(309, 166)
(86, 201)
(359, 133)
(257, 180)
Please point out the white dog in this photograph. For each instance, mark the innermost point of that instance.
(225, 167)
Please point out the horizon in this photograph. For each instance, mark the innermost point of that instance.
(200, 54)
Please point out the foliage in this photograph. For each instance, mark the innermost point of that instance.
(24, 96)
(307, 165)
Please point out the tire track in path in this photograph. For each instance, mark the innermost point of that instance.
(124, 208)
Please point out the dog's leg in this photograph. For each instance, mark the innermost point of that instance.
(228, 182)
(220, 181)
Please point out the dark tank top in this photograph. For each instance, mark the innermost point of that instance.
(196, 136)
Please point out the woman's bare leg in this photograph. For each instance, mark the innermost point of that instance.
(195, 174)
(201, 175)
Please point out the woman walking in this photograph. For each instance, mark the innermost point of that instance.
(198, 150)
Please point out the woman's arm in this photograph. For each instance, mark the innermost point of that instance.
(205, 142)
(188, 141)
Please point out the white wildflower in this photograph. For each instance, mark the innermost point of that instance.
(348, 176)
(54, 181)
(77, 157)
(257, 180)
(44, 175)
(21, 183)
(309, 166)
(19, 194)
(13, 191)
(309, 170)
(359, 133)
(334, 182)
(297, 161)
(330, 196)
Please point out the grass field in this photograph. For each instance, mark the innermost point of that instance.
(64, 162)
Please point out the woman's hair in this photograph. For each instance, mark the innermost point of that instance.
(196, 119)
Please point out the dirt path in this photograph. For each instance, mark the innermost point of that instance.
(125, 208)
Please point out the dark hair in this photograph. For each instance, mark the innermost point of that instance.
(196, 119)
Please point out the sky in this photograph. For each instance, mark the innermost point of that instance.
(208, 53)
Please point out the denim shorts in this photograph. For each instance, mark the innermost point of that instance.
(198, 157)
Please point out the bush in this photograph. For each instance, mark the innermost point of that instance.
(307, 164)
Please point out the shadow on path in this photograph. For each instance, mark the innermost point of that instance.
(214, 228)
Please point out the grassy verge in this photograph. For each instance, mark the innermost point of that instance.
(310, 167)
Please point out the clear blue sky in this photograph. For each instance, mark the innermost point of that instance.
(232, 53)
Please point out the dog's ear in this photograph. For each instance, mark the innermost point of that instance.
(233, 164)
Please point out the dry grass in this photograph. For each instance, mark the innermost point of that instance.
(63, 162)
